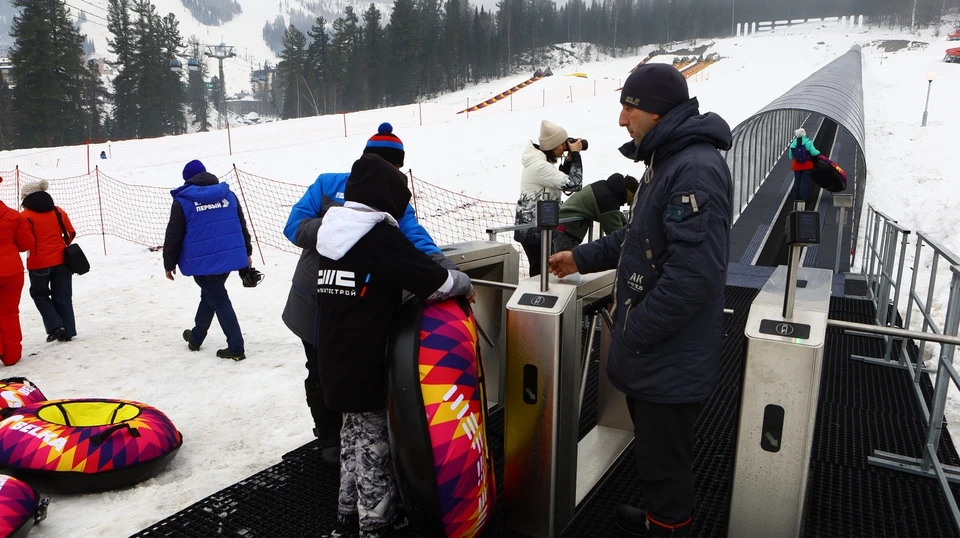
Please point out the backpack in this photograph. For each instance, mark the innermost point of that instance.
(800, 153)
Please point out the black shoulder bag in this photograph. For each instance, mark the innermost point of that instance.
(73, 256)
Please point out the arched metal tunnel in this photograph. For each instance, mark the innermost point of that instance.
(829, 105)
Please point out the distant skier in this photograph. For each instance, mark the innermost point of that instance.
(802, 152)
(103, 155)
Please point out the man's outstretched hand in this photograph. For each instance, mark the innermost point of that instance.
(562, 264)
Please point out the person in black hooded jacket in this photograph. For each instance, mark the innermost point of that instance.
(365, 264)
(671, 262)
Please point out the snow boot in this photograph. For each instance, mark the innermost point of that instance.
(188, 338)
(227, 354)
(636, 522)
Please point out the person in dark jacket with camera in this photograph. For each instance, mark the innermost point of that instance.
(207, 237)
(597, 202)
(671, 262)
(365, 264)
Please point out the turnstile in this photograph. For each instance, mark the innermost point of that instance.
(778, 409)
(497, 262)
(547, 472)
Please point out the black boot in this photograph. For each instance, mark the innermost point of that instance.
(632, 521)
(323, 418)
(636, 522)
(657, 529)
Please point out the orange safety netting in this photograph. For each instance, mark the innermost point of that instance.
(101, 205)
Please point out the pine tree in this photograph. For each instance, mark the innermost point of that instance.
(405, 66)
(124, 120)
(372, 54)
(94, 99)
(291, 67)
(6, 116)
(316, 68)
(197, 97)
(172, 95)
(47, 59)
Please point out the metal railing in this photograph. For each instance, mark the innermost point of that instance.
(493, 232)
(884, 261)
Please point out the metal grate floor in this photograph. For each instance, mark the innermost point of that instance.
(862, 408)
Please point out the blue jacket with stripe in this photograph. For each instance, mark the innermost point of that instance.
(300, 312)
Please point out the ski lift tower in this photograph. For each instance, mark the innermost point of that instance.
(220, 52)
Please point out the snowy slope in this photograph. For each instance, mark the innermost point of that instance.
(238, 418)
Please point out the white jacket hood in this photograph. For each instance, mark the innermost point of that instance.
(343, 226)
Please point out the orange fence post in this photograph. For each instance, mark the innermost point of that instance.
(16, 172)
(344, 112)
(249, 216)
(420, 109)
(88, 156)
(229, 139)
(103, 230)
(413, 193)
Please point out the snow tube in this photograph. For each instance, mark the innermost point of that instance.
(436, 408)
(80, 446)
(21, 507)
(828, 175)
(17, 392)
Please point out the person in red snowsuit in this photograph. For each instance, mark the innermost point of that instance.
(13, 241)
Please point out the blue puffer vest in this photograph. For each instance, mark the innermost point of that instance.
(213, 243)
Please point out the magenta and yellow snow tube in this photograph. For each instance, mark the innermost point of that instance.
(80, 446)
(21, 507)
(437, 418)
(17, 392)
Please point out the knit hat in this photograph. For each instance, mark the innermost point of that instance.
(193, 168)
(800, 133)
(551, 135)
(655, 88)
(377, 184)
(32, 187)
(386, 144)
(622, 187)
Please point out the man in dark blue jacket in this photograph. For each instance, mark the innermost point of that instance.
(671, 262)
(300, 312)
(207, 237)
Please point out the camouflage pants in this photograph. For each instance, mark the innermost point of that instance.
(367, 484)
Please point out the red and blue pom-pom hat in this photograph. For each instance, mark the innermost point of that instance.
(386, 144)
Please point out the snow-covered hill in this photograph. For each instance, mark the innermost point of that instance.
(244, 31)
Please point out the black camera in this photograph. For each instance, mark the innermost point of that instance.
(583, 142)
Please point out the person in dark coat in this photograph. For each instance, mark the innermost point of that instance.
(207, 237)
(672, 269)
(365, 264)
(597, 202)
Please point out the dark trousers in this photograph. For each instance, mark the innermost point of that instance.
(801, 178)
(214, 300)
(532, 250)
(664, 448)
(327, 421)
(52, 291)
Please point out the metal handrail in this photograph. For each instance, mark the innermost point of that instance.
(888, 218)
(515, 227)
(893, 331)
(942, 250)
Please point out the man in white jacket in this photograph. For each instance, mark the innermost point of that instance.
(541, 181)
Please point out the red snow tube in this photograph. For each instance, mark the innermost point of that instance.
(21, 507)
(828, 174)
(436, 409)
(17, 392)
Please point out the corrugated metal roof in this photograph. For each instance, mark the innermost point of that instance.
(836, 91)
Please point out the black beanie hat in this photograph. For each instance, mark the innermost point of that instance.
(376, 183)
(655, 88)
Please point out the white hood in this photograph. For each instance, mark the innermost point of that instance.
(343, 226)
